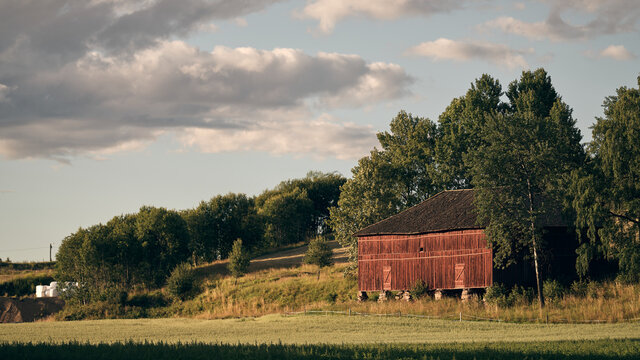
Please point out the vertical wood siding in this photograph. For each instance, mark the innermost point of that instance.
(429, 257)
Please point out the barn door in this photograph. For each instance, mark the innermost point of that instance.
(459, 276)
(386, 278)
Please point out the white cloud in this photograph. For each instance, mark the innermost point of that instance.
(606, 17)
(617, 52)
(105, 103)
(446, 49)
(319, 138)
(329, 12)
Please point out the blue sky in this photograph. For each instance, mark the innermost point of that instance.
(108, 105)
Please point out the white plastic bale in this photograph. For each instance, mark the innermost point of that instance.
(53, 285)
(41, 290)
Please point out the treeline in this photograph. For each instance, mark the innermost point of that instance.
(520, 149)
(141, 249)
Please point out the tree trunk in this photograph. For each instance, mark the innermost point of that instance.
(535, 247)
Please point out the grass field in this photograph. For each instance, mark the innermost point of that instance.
(301, 329)
(315, 337)
(600, 349)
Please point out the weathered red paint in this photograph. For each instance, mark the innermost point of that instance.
(443, 260)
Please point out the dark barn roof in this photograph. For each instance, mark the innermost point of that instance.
(445, 211)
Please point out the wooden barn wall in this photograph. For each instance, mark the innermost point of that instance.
(430, 257)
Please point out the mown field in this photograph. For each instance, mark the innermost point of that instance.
(316, 337)
(306, 329)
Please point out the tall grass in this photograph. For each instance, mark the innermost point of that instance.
(297, 289)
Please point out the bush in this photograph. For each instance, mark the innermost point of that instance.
(419, 289)
(520, 296)
(498, 294)
(319, 253)
(182, 283)
(147, 300)
(238, 260)
(24, 286)
(579, 288)
(332, 297)
(553, 290)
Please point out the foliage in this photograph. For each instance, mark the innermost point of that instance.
(298, 209)
(23, 286)
(319, 253)
(497, 294)
(43, 265)
(521, 169)
(238, 260)
(389, 180)
(459, 126)
(553, 290)
(215, 224)
(182, 283)
(606, 192)
(419, 289)
(287, 216)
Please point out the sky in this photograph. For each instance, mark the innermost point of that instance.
(109, 105)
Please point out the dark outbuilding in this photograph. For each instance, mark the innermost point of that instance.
(439, 242)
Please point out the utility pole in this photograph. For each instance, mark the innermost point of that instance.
(50, 248)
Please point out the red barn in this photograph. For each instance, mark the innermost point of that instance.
(437, 241)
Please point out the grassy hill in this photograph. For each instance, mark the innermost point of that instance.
(280, 283)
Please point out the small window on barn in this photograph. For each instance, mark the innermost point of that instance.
(421, 249)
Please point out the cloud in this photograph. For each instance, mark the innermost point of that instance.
(107, 102)
(329, 12)
(97, 77)
(321, 137)
(446, 49)
(617, 52)
(606, 17)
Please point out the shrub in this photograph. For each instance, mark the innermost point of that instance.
(520, 296)
(238, 259)
(182, 283)
(497, 295)
(147, 300)
(579, 288)
(319, 253)
(419, 289)
(553, 290)
(23, 286)
(332, 297)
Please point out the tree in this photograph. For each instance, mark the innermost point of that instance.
(287, 217)
(215, 224)
(521, 167)
(459, 129)
(238, 260)
(164, 239)
(389, 180)
(606, 192)
(319, 253)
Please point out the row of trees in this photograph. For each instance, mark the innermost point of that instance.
(143, 248)
(524, 157)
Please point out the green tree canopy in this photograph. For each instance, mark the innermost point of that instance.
(238, 259)
(459, 130)
(215, 224)
(319, 253)
(606, 192)
(389, 180)
(522, 166)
